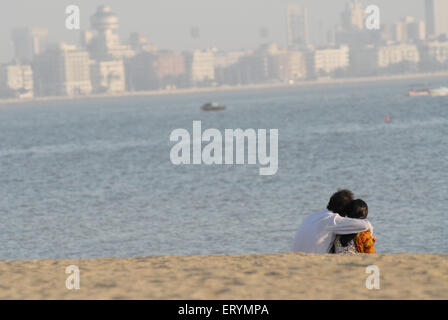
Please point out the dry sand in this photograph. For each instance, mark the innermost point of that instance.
(276, 276)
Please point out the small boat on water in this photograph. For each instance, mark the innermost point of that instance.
(440, 92)
(213, 106)
(419, 93)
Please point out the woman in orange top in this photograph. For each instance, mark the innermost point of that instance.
(362, 242)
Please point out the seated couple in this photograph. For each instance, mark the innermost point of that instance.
(342, 228)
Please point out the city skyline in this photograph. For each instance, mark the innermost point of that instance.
(102, 62)
(209, 18)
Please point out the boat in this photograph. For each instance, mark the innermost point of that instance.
(213, 106)
(419, 93)
(440, 92)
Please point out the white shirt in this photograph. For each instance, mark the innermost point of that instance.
(317, 232)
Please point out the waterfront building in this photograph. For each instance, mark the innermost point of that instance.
(62, 70)
(200, 67)
(16, 81)
(323, 62)
(108, 76)
(395, 54)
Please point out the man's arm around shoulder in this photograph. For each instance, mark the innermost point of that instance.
(343, 225)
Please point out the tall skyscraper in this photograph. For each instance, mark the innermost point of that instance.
(352, 17)
(436, 17)
(28, 42)
(297, 23)
(106, 43)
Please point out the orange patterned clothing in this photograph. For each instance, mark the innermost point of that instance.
(364, 242)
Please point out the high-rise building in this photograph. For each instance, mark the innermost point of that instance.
(352, 17)
(28, 42)
(436, 17)
(408, 29)
(62, 70)
(416, 30)
(297, 23)
(352, 32)
(399, 31)
(16, 81)
(106, 43)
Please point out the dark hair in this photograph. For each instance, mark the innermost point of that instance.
(357, 209)
(340, 200)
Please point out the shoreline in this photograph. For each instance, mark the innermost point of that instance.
(228, 88)
(261, 276)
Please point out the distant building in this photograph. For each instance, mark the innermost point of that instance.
(408, 29)
(85, 38)
(297, 24)
(388, 59)
(434, 56)
(28, 42)
(171, 70)
(170, 64)
(399, 31)
(16, 81)
(351, 32)
(401, 58)
(363, 61)
(108, 76)
(105, 45)
(436, 18)
(227, 67)
(352, 18)
(416, 31)
(226, 59)
(141, 72)
(288, 66)
(139, 42)
(324, 62)
(268, 63)
(62, 70)
(200, 67)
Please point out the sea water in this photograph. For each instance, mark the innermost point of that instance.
(93, 178)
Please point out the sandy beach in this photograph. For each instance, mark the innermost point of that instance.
(275, 276)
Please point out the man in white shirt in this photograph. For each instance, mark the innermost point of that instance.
(317, 232)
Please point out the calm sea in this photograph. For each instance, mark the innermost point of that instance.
(94, 178)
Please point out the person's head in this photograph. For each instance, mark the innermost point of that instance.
(357, 209)
(340, 200)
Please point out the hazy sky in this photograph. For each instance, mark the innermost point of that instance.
(225, 24)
